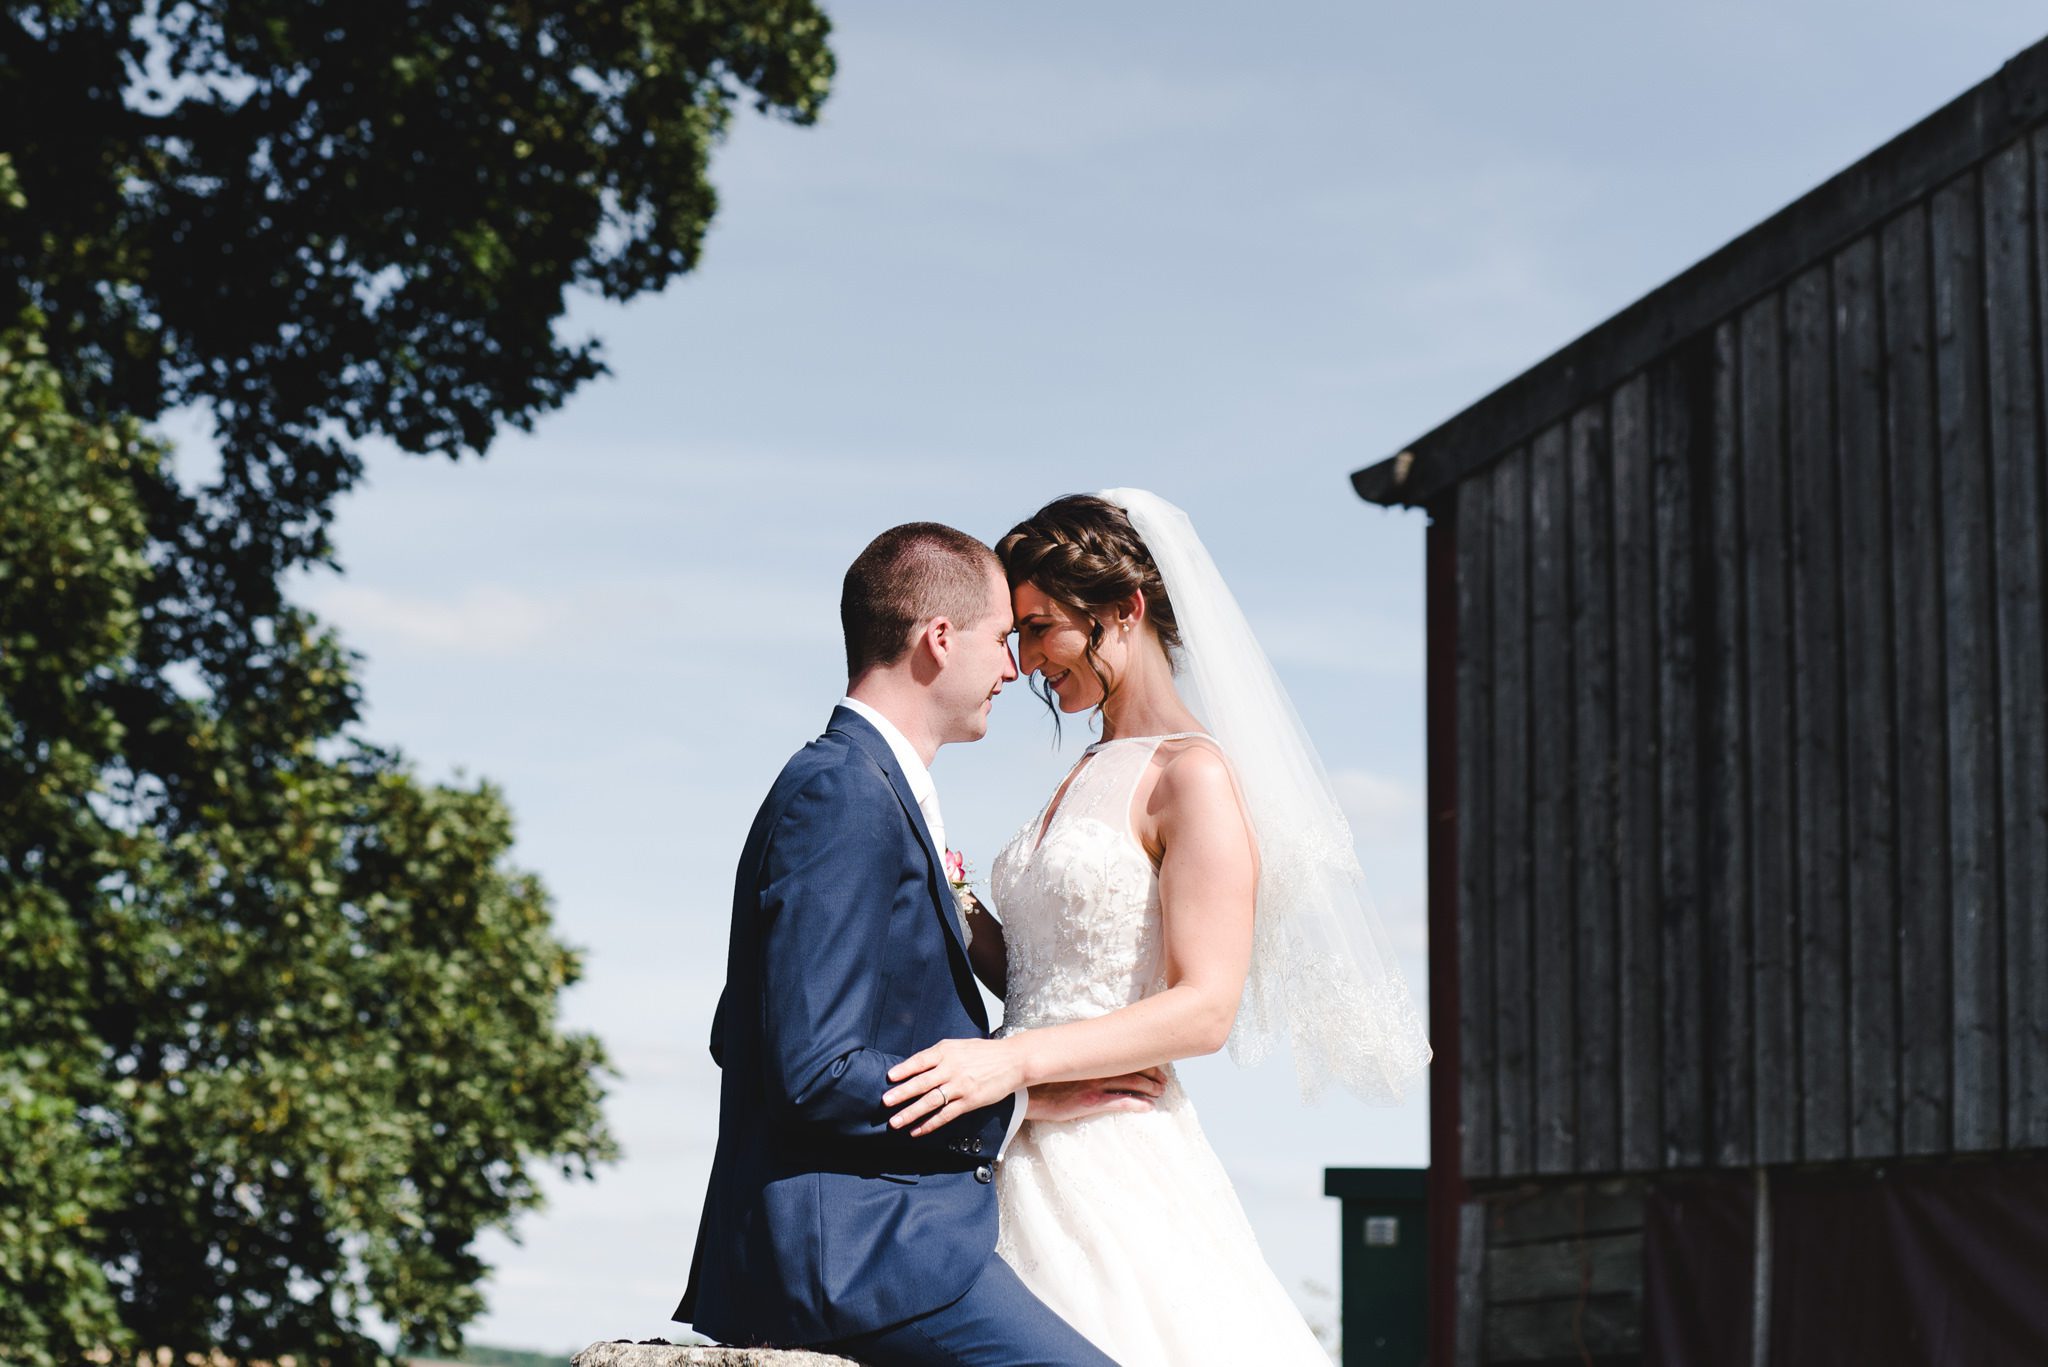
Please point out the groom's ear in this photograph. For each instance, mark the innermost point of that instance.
(935, 638)
(929, 647)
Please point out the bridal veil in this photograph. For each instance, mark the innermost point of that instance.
(1323, 973)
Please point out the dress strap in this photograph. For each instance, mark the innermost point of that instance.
(1169, 735)
(1124, 791)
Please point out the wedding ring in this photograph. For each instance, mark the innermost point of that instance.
(942, 1093)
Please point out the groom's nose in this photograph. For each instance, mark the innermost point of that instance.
(1009, 663)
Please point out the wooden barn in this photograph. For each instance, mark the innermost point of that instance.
(1739, 788)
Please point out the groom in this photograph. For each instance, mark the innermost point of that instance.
(823, 1226)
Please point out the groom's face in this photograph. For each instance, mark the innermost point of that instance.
(978, 666)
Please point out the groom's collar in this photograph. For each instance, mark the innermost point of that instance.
(913, 766)
(883, 743)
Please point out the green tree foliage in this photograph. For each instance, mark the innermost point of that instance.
(279, 1036)
(328, 219)
(71, 558)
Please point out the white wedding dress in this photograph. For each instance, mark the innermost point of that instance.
(1124, 1223)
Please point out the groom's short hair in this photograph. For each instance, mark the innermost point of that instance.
(906, 577)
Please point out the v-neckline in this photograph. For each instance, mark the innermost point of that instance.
(1059, 797)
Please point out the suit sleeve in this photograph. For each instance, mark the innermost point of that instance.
(834, 854)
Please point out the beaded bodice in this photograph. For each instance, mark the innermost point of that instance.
(1079, 898)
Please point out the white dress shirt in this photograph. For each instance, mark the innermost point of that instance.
(921, 786)
(926, 794)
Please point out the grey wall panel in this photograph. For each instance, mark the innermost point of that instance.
(2014, 413)
(1767, 634)
(1817, 718)
(1681, 408)
(1724, 774)
(1513, 850)
(1868, 767)
(1477, 1062)
(1639, 943)
(1594, 764)
(1553, 910)
(1919, 708)
(1970, 684)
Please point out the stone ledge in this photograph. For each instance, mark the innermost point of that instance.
(659, 1353)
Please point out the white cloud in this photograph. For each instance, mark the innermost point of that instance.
(1339, 637)
(487, 620)
(1381, 810)
(589, 620)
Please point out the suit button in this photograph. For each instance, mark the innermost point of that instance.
(984, 1174)
(974, 1144)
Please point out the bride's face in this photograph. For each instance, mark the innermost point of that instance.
(1052, 641)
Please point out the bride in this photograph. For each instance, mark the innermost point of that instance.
(1187, 885)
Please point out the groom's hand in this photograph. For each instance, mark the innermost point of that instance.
(1096, 1096)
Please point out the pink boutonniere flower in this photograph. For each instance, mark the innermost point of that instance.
(961, 878)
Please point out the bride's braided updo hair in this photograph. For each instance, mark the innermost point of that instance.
(1081, 550)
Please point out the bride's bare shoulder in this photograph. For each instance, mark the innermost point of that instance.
(1192, 776)
(1193, 754)
(1196, 801)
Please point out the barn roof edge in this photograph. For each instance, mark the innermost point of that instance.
(1911, 165)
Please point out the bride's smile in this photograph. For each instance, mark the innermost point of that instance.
(1054, 642)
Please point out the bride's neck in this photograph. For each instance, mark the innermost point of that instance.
(1145, 703)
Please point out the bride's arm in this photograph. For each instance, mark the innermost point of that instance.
(1207, 885)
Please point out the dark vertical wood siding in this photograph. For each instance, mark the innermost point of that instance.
(1680, 414)
(1969, 654)
(1753, 724)
(2027, 881)
(1870, 850)
(1551, 791)
(2014, 414)
(1513, 849)
(1594, 765)
(1774, 906)
(1926, 1012)
(1816, 718)
(1638, 963)
(1724, 772)
(1477, 1122)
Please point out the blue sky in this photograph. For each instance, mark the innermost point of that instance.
(1224, 252)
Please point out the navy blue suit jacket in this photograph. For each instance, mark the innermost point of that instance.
(821, 1222)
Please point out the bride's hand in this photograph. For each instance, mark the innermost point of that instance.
(939, 1085)
(1097, 1096)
